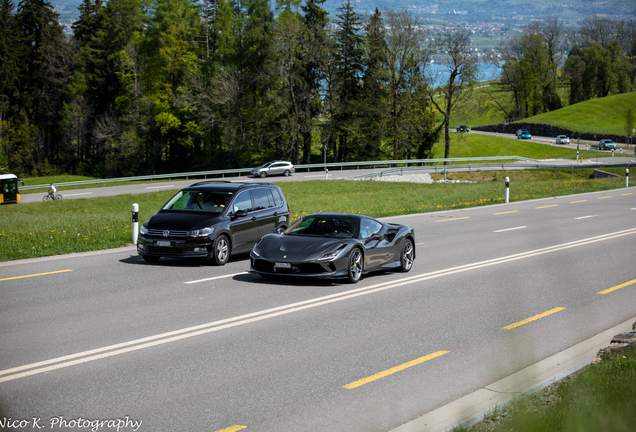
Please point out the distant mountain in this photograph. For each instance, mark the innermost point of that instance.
(502, 15)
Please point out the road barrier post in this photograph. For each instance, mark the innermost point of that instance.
(326, 174)
(626, 177)
(135, 222)
(507, 189)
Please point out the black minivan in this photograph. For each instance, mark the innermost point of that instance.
(214, 220)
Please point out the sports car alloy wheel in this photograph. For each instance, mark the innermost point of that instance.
(220, 250)
(407, 256)
(355, 265)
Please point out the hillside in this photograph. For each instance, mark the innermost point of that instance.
(608, 112)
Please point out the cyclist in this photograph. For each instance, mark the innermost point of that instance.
(52, 191)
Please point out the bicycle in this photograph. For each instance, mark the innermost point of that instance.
(49, 197)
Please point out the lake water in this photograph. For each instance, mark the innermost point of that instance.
(487, 72)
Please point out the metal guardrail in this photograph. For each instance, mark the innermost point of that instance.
(238, 172)
(485, 167)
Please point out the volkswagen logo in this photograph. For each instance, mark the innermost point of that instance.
(166, 233)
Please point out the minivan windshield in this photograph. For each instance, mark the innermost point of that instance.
(201, 201)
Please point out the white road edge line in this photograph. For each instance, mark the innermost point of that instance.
(585, 217)
(510, 229)
(216, 277)
(176, 335)
(83, 193)
(159, 187)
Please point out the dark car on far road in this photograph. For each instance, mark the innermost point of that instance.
(462, 129)
(213, 220)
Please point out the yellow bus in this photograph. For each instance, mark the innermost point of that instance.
(10, 192)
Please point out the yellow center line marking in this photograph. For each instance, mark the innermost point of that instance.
(38, 274)
(575, 202)
(534, 318)
(605, 197)
(394, 370)
(631, 193)
(232, 428)
(553, 205)
(609, 290)
(444, 220)
(514, 211)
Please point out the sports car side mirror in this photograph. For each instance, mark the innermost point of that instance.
(373, 237)
(279, 230)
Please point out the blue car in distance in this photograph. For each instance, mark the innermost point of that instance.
(523, 134)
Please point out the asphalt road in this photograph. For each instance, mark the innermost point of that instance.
(184, 346)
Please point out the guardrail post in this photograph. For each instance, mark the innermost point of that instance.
(135, 222)
(507, 194)
(626, 177)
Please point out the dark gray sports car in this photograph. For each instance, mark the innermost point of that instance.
(332, 245)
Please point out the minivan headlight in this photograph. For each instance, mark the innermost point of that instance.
(203, 232)
(143, 229)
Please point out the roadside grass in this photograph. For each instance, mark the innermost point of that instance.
(477, 145)
(57, 180)
(607, 113)
(47, 180)
(67, 226)
(602, 113)
(600, 397)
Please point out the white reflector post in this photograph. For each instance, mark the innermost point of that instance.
(135, 222)
(507, 189)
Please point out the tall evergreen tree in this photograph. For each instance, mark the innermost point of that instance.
(37, 27)
(8, 53)
(314, 58)
(88, 23)
(8, 77)
(371, 105)
(348, 55)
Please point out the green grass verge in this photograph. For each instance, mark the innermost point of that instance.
(608, 112)
(477, 145)
(601, 397)
(60, 227)
(32, 181)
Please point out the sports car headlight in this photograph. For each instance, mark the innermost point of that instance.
(255, 249)
(331, 255)
(204, 232)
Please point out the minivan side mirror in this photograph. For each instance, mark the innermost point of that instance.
(240, 213)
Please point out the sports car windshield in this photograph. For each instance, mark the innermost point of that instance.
(199, 201)
(321, 226)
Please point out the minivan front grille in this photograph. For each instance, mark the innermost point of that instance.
(167, 233)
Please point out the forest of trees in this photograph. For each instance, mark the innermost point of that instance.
(144, 87)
